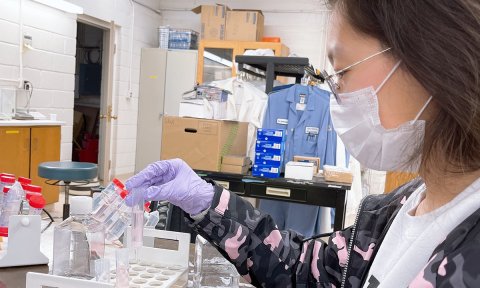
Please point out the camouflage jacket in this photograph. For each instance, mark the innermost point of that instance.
(267, 257)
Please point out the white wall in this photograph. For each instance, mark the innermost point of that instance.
(300, 24)
(51, 69)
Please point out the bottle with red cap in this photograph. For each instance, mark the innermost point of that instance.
(6, 180)
(36, 204)
(11, 203)
(109, 193)
(30, 190)
(109, 200)
(24, 180)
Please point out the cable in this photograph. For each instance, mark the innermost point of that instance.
(49, 215)
(27, 106)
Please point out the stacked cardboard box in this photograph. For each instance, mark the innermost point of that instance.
(202, 142)
(235, 164)
(269, 153)
(221, 23)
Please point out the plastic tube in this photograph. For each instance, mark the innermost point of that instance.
(37, 203)
(121, 256)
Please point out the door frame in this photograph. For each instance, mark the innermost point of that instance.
(106, 98)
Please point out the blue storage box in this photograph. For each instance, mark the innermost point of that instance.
(270, 147)
(266, 171)
(273, 135)
(268, 159)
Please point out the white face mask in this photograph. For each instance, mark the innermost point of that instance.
(357, 122)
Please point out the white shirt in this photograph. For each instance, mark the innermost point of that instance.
(246, 104)
(411, 240)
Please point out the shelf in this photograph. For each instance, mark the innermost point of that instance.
(273, 66)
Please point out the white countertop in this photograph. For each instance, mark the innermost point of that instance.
(11, 123)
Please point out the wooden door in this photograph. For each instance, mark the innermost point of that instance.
(45, 147)
(15, 150)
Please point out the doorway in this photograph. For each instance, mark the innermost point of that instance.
(93, 94)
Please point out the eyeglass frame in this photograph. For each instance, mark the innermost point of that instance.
(333, 85)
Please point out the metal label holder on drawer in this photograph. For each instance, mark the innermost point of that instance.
(166, 265)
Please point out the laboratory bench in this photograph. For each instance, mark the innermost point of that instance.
(316, 192)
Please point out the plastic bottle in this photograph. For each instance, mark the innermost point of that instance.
(24, 180)
(108, 201)
(108, 194)
(117, 229)
(78, 242)
(36, 203)
(30, 190)
(153, 219)
(5, 180)
(12, 201)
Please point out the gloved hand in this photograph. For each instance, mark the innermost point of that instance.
(173, 181)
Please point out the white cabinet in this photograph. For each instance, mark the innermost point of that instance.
(164, 76)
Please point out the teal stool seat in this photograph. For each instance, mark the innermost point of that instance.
(67, 172)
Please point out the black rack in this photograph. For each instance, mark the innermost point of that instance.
(273, 66)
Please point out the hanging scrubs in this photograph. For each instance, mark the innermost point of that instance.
(303, 111)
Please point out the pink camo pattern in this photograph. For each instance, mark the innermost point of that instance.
(366, 255)
(232, 244)
(304, 251)
(314, 263)
(441, 269)
(341, 244)
(273, 239)
(223, 203)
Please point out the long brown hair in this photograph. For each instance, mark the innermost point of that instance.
(438, 42)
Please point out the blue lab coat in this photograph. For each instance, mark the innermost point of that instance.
(309, 133)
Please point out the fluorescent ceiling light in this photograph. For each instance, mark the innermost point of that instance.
(62, 5)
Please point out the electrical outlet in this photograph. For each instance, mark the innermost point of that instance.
(27, 40)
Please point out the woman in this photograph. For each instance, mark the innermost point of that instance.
(406, 97)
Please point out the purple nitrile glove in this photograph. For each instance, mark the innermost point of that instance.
(173, 181)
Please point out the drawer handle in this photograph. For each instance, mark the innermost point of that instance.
(278, 192)
(224, 184)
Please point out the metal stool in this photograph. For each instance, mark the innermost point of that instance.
(67, 172)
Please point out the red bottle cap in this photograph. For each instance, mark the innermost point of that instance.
(124, 194)
(32, 188)
(147, 207)
(4, 231)
(7, 179)
(24, 180)
(5, 189)
(118, 183)
(7, 174)
(30, 194)
(37, 201)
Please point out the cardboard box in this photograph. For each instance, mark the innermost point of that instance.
(201, 142)
(337, 174)
(245, 25)
(299, 170)
(235, 169)
(213, 19)
(236, 160)
(314, 160)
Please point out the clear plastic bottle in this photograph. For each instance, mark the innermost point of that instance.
(115, 230)
(78, 242)
(108, 204)
(11, 203)
(109, 193)
(5, 180)
(152, 219)
(29, 190)
(36, 204)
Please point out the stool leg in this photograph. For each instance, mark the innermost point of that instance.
(66, 206)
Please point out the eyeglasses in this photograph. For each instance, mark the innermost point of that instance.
(332, 80)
